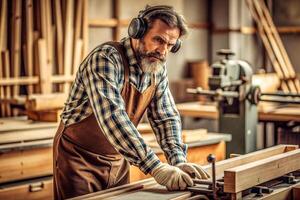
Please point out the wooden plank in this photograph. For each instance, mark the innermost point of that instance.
(45, 102)
(194, 135)
(268, 46)
(45, 79)
(271, 38)
(59, 38)
(245, 176)
(68, 41)
(17, 165)
(16, 42)
(223, 165)
(3, 46)
(116, 15)
(6, 65)
(29, 42)
(77, 55)
(2, 95)
(3, 25)
(44, 115)
(78, 20)
(85, 28)
(277, 39)
(19, 81)
(21, 136)
(144, 184)
(276, 44)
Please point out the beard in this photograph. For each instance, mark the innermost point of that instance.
(148, 65)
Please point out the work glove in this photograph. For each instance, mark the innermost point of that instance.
(194, 170)
(171, 177)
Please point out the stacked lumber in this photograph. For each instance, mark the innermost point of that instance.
(41, 46)
(274, 46)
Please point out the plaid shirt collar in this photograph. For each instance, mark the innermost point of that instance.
(130, 53)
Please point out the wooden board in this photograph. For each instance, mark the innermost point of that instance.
(45, 102)
(45, 78)
(68, 41)
(248, 175)
(248, 158)
(44, 115)
(194, 135)
(29, 42)
(31, 163)
(135, 191)
(16, 43)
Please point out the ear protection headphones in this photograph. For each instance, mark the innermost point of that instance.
(138, 26)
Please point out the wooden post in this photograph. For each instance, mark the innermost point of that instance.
(59, 38)
(45, 79)
(29, 42)
(85, 28)
(6, 64)
(116, 15)
(68, 39)
(16, 42)
(77, 53)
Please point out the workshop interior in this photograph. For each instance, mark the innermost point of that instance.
(235, 83)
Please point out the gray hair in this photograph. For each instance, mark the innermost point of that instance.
(168, 16)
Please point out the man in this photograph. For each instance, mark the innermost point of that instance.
(114, 86)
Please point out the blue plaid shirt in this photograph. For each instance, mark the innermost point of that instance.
(97, 88)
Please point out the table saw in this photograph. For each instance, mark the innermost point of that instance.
(272, 173)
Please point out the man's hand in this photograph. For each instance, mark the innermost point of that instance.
(171, 177)
(194, 170)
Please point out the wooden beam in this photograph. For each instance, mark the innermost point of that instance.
(29, 41)
(3, 25)
(16, 42)
(116, 15)
(68, 40)
(59, 37)
(45, 79)
(77, 55)
(85, 28)
(223, 165)
(6, 65)
(45, 102)
(245, 176)
(77, 42)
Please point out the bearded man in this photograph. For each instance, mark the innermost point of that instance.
(117, 82)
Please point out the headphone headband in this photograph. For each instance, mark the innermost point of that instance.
(138, 26)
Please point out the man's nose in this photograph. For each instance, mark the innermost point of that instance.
(163, 49)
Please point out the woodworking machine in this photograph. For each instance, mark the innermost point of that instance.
(231, 86)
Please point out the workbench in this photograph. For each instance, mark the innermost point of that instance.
(277, 114)
(240, 177)
(26, 156)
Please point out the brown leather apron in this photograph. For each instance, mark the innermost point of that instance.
(84, 160)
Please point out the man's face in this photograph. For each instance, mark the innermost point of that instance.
(154, 47)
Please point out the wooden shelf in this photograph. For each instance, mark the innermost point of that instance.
(252, 30)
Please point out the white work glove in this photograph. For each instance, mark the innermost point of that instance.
(171, 177)
(194, 170)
